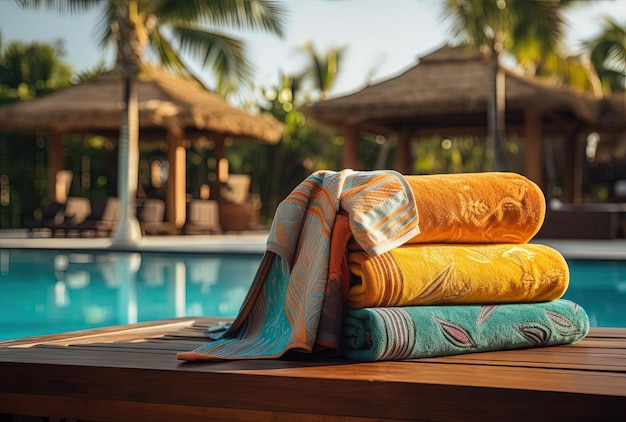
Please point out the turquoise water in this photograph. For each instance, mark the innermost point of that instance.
(44, 291)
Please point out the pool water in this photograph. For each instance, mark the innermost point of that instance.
(43, 291)
(47, 291)
(599, 286)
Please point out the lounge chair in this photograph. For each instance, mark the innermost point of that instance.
(202, 217)
(151, 217)
(237, 211)
(52, 216)
(104, 215)
(77, 209)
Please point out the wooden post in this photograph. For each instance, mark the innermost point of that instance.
(350, 147)
(533, 148)
(404, 160)
(570, 156)
(176, 182)
(577, 169)
(55, 163)
(221, 162)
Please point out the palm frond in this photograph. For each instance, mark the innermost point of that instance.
(607, 53)
(103, 28)
(224, 55)
(169, 57)
(264, 15)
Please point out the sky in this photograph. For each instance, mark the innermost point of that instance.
(382, 37)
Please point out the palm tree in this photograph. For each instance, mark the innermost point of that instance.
(168, 28)
(527, 29)
(322, 68)
(607, 53)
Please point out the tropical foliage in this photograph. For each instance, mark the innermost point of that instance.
(28, 70)
(607, 53)
(171, 30)
(529, 30)
(305, 147)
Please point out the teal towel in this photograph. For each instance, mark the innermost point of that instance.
(375, 334)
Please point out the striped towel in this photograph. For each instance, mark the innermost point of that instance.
(375, 334)
(291, 304)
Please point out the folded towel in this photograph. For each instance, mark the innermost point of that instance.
(457, 274)
(374, 334)
(477, 208)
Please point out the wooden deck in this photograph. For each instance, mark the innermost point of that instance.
(131, 373)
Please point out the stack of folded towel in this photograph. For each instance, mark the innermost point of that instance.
(468, 282)
(380, 266)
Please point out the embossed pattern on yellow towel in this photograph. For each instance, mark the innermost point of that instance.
(457, 274)
(477, 208)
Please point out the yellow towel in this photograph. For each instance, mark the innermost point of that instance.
(457, 274)
(477, 208)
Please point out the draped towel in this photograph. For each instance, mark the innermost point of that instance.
(457, 274)
(396, 333)
(291, 304)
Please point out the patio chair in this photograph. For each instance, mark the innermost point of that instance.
(202, 217)
(77, 209)
(237, 210)
(101, 221)
(53, 215)
(151, 217)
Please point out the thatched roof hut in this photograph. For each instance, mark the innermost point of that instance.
(447, 93)
(448, 88)
(170, 108)
(166, 102)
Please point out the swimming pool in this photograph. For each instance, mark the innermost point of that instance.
(48, 291)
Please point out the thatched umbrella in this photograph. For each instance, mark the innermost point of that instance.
(447, 93)
(170, 108)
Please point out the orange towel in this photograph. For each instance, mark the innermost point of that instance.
(457, 274)
(477, 208)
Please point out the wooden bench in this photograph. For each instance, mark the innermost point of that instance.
(131, 373)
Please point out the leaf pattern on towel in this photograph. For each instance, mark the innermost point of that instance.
(484, 313)
(455, 334)
(433, 290)
(482, 255)
(562, 324)
(535, 333)
(473, 210)
(519, 255)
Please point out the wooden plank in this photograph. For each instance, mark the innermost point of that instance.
(362, 398)
(96, 409)
(607, 332)
(604, 364)
(128, 332)
(566, 380)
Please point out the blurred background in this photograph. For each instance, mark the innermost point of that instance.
(284, 59)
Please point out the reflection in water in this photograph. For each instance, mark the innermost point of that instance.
(47, 291)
